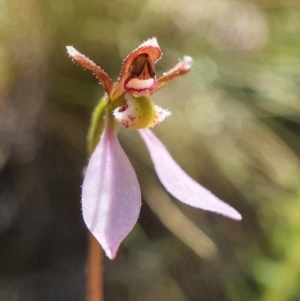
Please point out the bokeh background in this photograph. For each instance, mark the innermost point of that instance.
(235, 128)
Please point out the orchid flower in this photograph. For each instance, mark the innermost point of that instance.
(111, 196)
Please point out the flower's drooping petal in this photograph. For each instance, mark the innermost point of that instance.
(111, 197)
(181, 68)
(179, 184)
(86, 63)
(138, 75)
(139, 113)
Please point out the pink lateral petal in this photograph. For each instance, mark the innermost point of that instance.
(111, 197)
(179, 184)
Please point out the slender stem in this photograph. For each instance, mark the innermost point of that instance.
(95, 270)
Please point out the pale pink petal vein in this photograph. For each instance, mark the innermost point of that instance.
(111, 197)
(179, 184)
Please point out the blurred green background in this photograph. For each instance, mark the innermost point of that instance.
(235, 128)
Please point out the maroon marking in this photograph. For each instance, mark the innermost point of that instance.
(131, 117)
(139, 90)
(122, 108)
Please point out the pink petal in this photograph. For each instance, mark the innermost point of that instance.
(179, 184)
(111, 197)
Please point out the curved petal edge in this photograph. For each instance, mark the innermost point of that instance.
(111, 197)
(179, 184)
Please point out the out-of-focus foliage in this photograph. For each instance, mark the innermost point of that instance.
(235, 128)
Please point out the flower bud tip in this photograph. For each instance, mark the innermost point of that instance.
(187, 62)
(72, 51)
